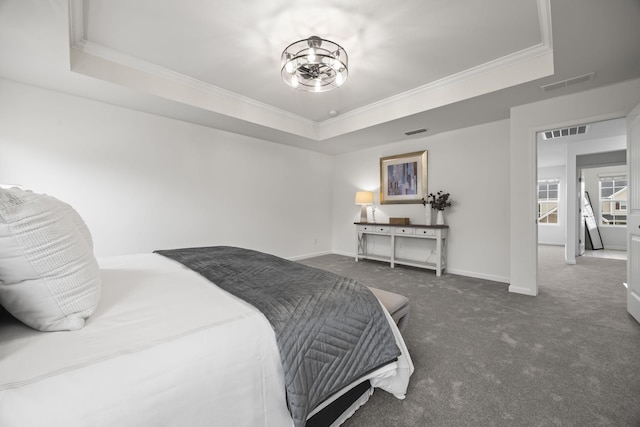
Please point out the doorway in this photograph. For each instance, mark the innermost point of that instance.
(593, 150)
(604, 178)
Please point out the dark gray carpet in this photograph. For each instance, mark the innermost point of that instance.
(486, 357)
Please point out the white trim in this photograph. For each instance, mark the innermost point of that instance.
(189, 93)
(603, 103)
(612, 177)
(126, 60)
(483, 276)
(536, 67)
(541, 49)
(490, 277)
(616, 248)
(463, 76)
(519, 67)
(523, 291)
(76, 22)
(544, 17)
(305, 256)
(549, 180)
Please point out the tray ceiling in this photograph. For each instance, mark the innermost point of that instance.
(417, 56)
(437, 65)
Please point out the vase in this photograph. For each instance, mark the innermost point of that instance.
(440, 218)
(427, 215)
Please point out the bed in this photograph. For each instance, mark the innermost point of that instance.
(162, 346)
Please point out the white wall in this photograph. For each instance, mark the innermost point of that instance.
(603, 103)
(554, 234)
(145, 182)
(612, 237)
(471, 164)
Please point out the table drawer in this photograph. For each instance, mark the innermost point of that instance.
(403, 230)
(426, 232)
(373, 229)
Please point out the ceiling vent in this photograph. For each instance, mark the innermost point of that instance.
(413, 132)
(559, 133)
(568, 82)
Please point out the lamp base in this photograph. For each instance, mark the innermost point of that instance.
(363, 213)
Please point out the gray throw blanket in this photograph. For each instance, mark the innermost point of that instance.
(330, 330)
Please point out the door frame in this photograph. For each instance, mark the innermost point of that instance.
(604, 103)
(633, 213)
(582, 232)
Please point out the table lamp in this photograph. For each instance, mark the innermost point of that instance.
(364, 198)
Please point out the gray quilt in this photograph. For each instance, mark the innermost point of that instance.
(330, 330)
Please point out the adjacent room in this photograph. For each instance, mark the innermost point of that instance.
(300, 214)
(598, 153)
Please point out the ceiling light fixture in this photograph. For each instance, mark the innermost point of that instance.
(314, 65)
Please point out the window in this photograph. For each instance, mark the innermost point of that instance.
(548, 201)
(613, 200)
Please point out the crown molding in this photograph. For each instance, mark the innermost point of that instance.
(117, 57)
(542, 49)
(524, 55)
(88, 51)
(105, 63)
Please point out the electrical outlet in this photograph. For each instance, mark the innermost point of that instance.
(315, 240)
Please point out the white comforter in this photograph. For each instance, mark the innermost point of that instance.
(164, 348)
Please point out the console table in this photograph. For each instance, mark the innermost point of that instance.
(395, 232)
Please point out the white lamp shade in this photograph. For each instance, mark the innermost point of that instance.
(364, 198)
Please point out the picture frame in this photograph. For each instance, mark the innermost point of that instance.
(403, 178)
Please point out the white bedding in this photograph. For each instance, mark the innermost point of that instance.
(163, 348)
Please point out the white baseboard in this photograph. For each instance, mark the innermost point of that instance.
(484, 276)
(523, 291)
(616, 248)
(349, 254)
(299, 257)
(493, 278)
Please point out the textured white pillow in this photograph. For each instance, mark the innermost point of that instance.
(49, 277)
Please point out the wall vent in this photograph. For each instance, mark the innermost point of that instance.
(559, 133)
(413, 132)
(568, 82)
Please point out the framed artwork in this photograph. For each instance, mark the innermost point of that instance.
(403, 178)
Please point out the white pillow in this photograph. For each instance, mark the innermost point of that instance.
(49, 277)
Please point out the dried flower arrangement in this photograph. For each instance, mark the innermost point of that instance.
(438, 201)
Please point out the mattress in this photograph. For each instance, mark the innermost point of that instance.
(163, 348)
